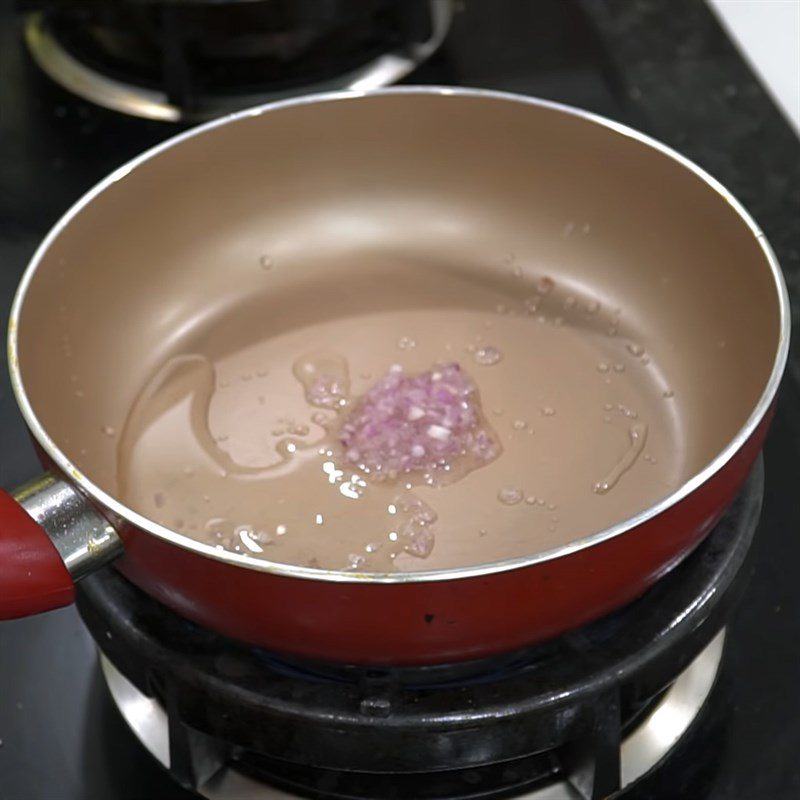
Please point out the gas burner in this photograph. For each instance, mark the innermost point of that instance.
(190, 61)
(581, 716)
(640, 751)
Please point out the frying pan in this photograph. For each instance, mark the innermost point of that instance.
(149, 255)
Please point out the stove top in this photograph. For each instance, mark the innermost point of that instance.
(663, 66)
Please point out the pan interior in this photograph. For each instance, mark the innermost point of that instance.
(633, 310)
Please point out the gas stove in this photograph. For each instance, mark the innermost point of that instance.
(691, 692)
(581, 716)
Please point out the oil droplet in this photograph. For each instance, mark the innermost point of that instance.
(619, 367)
(592, 307)
(248, 539)
(510, 495)
(501, 308)
(586, 228)
(406, 343)
(482, 532)
(548, 411)
(603, 367)
(498, 412)
(487, 356)
(519, 425)
(325, 379)
(108, 430)
(530, 500)
(606, 418)
(286, 448)
(668, 393)
(608, 406)
(638, 436)
(261, 536)
(280, 530)
(265, 262)
(569, 301)
(635, 349)
(355, 561)
(79, 393)
(545, 284)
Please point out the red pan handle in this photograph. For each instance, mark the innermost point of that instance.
(33, 576)
(50, 536)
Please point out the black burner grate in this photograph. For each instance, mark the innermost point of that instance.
(195, 51)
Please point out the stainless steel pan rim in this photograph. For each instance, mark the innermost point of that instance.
(241, 560)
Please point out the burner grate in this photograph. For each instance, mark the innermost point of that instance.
(539, 777)
(195, 60)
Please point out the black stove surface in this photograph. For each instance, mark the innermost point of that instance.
(663, 66)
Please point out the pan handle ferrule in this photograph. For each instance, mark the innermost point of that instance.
(84, 539)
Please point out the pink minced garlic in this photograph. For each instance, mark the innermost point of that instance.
(428, 426)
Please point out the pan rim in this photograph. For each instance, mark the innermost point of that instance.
(473, 571)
